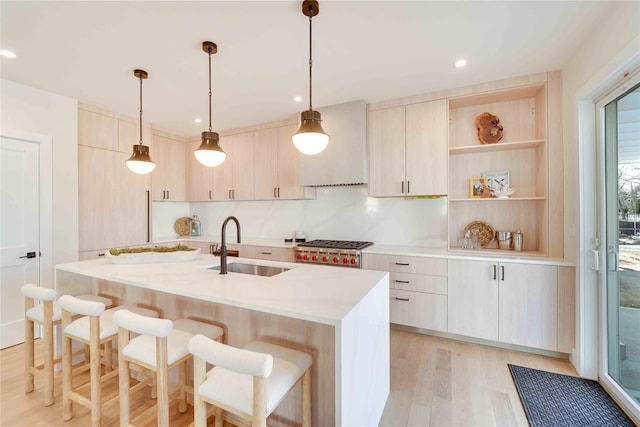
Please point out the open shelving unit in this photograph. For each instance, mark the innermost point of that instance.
(523, 151)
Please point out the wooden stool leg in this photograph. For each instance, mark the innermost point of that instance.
(306, 399)
(163, 381)
(94, 359)
(48, 352)
(67, 408)
(29, 356)
(124, 378)
(182, 384)
(154, 386)
(259, 402)
(108, 356)
(218, 416)
(199, 405)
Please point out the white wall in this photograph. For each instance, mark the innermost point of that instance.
(28, 109)
(604, 58)
(344, 213)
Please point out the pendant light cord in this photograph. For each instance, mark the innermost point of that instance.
(310, 57)
(141, 109)
(209, 50)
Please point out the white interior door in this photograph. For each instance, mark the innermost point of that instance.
(19, 233)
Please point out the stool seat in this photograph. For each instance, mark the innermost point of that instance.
(37, 313)
(249, 382)
(161, 345)
(79, 328)
(236, 390)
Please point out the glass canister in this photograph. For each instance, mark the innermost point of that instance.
(194, 228)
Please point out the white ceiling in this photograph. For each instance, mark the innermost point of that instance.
(371, 50)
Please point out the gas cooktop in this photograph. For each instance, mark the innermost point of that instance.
(336, 244)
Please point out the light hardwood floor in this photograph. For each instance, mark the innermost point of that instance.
(434, 382)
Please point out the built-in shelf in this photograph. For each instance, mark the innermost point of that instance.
(495, 199)
(496, 252)
(500, 146)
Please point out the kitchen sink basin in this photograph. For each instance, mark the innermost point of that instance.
(256, 270)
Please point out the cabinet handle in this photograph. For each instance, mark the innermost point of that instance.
(402, 299)
(210, 194)
(402, 187)
(168, 197)
(230, 194)
(502, 272)
(101, 254)
(402, 263)
(408, 186)
(494, 272)
(266, 253)
(402, 281)
(274, 192)
(278, 192)
(164, 194)
(233, 194)
(148, 216)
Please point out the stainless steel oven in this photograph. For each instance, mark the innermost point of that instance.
(343, 253)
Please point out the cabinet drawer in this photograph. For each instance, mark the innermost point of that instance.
(85, 255)
(417, 309)
(418, 283)
(405, 264)
(274, 254)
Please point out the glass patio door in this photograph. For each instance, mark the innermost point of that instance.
(622, 240)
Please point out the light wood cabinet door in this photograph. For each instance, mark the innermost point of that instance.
(223, 174)
(265, 164)
(97, 130)
(417, 309)
(243, 173)
(113, 201)
(288, 187)
(129, 135)
(169, 176)
(199, 177)
(387, 152)
(528, 305)
(427, 148)
(473, 299)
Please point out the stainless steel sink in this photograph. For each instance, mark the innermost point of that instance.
(256, 270)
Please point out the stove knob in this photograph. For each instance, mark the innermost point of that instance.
(306, 257)
(353, 261)
(335, 259)
(345, 261)
(313, 258)
(298, 256)
(325, 259)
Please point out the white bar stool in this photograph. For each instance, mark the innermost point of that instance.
(96, 328)
(161, 345)
(271, 371)
(47, 314)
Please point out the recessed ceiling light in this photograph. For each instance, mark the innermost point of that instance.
(460, 63)
(297, 98)
(197, 120)
(7, 53)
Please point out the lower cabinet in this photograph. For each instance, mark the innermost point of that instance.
(268, 252)
(515, 303)
(418, 289)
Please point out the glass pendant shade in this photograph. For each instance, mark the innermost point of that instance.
(209, 153)
(311, 138)
(140, 162)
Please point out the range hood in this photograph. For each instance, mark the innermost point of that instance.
(344, 161)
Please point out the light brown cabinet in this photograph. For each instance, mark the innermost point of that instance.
(113, 202)
(513, 303)
(234, 178)
(169, 176)
(408, 150)
(276, 165)
(200, 178)
(268, 252)
(418, 289)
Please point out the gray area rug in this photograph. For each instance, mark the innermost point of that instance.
(555, 400)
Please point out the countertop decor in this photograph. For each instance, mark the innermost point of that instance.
(144, 255)
(182, 226)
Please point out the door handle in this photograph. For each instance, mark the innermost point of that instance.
(402, 299)
(494, 272)
(408, 184)
(596, 260)
(402, 187)
(29, 255)
(402, 263)
(502, 273)
(209, 194)
(402, 281)
(614, 265)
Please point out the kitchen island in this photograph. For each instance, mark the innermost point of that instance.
(340, 316)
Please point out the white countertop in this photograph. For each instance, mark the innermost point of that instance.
(321, 294)
(254, 241)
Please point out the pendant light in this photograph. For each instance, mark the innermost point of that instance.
(140, 162)
(209, 153)
(310, 138)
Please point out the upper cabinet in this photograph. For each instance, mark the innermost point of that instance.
(408, 150)
(234, 178)
(276, 164)
(199, 177)
(530, 151)
(169, 176)
(97, 130)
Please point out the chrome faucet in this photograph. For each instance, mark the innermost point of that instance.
(223, 249)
